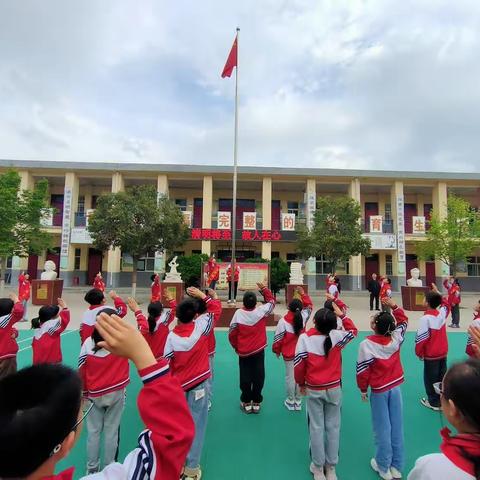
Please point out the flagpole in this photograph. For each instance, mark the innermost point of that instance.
(235, 164)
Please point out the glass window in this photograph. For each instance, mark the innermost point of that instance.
(388, 212)
(147, 263)
(181, 204)
(292, 207)
(81, 204)
(78, 257)
(388, 265)
(473, 266)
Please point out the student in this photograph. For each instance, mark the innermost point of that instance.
(105, 377)
(24, 292)
(385, 293)
(156, 327)
(340, 304)
(187, 351)
(40, 429)
(216, 308)
(318, 372)
(155, 288)
(289, 328)
(233, 284)
(248, 337)
(332, 286)
(460, 397)
(96, 299)
(379, 367)
(475, 323)
(11, 312)
(98, 282)
(452, 286)
(213, 273)
(374, 289)
(48, 328)
(431, 345)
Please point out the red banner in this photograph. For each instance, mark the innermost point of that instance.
(245, 235)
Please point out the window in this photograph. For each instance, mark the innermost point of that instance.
(388, 265)
(181, 203)
(388, 212)
(147, 263)
(291, 257)
(78, 257)
(81, 204)
(323, 267)
(196, 252)
(473, 266)
(292, 207)
(275, 254)
(94, 201)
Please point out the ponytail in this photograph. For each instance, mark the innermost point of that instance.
(154, 311)
(327, 345)
(325, 321)
(36, 322)
(297, 322)
(96, 337)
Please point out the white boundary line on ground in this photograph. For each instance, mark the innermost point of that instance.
(27, 348)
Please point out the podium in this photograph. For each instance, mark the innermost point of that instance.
(412, 298)
(175, 289)
(290, 291)
(46, 292)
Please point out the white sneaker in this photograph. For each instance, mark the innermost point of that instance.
(246, 407)
(395, 473)
(330, 473)
(298, 405)
(289, 404)
(426, 403)
(317, 472)
(385, 475)
(256, 408)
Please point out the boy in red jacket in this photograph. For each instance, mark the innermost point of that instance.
(11, 312)
(98, 283)
(155, 288)
(33, 444)
(431, 345)
(24, 292)
(248, 337)
(454, 299)
(232, 280)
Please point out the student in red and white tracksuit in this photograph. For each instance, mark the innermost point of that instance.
(454, 299)
(187, 351)
(318, 372)
(332, 288)
(105, 378)
(248, 337)
(379, 367)
(155, 289)
(24, 287)
(431, 345)
(475, 323)
(288, 330)
(233, 283)
(156, 327)
(98, 282)
(385, 293)
(96, 299)
(460, 454)
(11, 312)
(48, 328)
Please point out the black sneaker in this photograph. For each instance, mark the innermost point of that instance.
(427, 404)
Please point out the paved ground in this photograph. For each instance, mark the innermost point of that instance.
(358, 307)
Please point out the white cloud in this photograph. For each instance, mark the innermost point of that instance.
(338, 83)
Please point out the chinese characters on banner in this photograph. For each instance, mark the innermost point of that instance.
(376, 222)
(246, 235)
(311, 207)
(67, 219)
(401, 234)
(249, 220)
(224, 220)
(418, 225)
(288, 221)
(187, 218)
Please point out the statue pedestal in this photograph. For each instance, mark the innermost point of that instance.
(290, 291)
(176, 289)
(412, 298)
(46, 292)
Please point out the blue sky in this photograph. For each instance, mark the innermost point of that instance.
(346, 84)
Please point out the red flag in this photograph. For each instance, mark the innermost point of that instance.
(231, 61)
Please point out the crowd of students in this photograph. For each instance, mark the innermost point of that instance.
(43, 407)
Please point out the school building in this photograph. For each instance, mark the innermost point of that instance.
(272, 203)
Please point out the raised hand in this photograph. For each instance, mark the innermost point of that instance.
(61, 303)
(112, 294)
(196, 293)
(13, 296)
(132, 304)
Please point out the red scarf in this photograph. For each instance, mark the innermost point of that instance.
(454, 448)
(65, 475)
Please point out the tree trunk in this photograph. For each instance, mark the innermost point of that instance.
(134, 277)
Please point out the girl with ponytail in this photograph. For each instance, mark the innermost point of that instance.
(318, 372)
(156, 327)
(460, 399)
(289, 328)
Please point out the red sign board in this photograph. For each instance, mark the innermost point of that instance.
(246, 235)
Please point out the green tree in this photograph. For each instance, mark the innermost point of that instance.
(336, 233)
(279, 274)
(138, 223)
(190, 267)
(453, 238)
(21, 212)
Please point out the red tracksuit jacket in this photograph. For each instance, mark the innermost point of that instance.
(46, 343)
(102, 372)
(90, 317)
(156, 294)
(476, 323)
(431, 341)
(187, 349)
(99, 284)
(164, 445)
(453, 290)
(8, 333)
(285, 340)
(313, 368)
(216, 308)
(379, 365)
(158, 337)
(248, 330)
(23, 288)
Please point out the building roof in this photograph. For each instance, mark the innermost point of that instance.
(227, 169)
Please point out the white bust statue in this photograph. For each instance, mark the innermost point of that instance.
(414, 281)
(49, 272)
(173, 275)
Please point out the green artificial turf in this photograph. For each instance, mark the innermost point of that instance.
(274, 444)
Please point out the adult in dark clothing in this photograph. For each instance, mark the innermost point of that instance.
(374, 288)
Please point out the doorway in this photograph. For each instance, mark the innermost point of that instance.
(372, 265)
(95, 258)
(32, 266)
